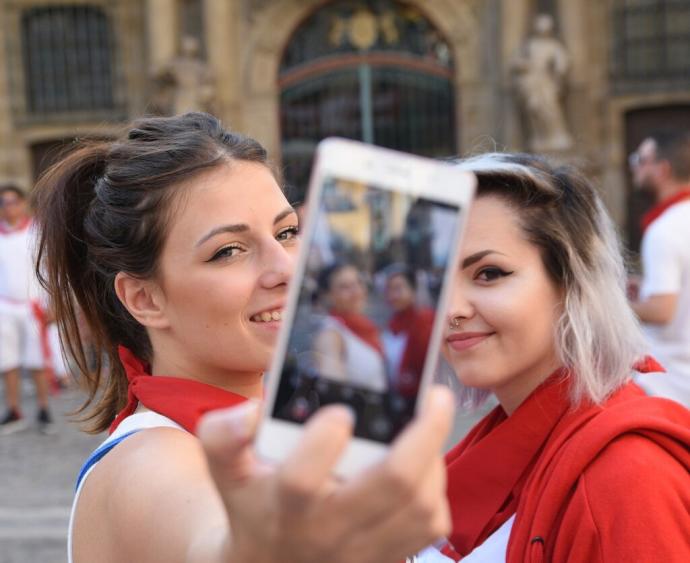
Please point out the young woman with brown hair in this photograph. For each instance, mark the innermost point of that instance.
(177, 243)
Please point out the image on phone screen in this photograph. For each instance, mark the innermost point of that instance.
(375, 265)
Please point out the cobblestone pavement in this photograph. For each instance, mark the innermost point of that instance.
(37, 474)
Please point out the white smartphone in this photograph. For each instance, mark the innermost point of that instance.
(372, 214)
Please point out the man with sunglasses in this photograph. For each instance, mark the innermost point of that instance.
(661, 165)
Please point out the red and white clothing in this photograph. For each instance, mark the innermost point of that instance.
(17, 276)
(362, 363)
(23, 340)
(132, 424)
(666, 270)
(405, 344)
(606, 482)
(171, 402)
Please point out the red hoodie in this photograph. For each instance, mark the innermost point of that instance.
(602, 483)
(417, 323)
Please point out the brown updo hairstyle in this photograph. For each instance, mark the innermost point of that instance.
(105, 209)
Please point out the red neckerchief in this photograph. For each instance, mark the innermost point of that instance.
(658, 210)
(6, 229)
(417, 324)
(181, 400)
(362, 327)
(489, 469)
(46, 350)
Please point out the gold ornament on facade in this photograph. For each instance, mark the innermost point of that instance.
(363, 29)
(388, 28)
(338, 31)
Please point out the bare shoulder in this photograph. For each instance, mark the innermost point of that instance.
(147, 496)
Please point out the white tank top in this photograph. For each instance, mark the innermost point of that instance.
(130, 425)
(364, 365)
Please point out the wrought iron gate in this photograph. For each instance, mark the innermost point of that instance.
(378, 72)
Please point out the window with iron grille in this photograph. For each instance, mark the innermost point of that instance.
(651, 41)
(67, 55)
(379, 72)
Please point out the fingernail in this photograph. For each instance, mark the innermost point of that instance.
(348, 412)
(242, 419)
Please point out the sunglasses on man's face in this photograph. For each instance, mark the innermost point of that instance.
(9, 202)
(635, 160)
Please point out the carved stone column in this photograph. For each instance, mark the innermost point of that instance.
(223, 27)
(14, 155)
(515, 17)
(163, 31)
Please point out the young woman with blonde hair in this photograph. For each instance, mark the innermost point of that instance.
(576, 464)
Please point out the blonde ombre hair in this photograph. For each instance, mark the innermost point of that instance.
(598, 336)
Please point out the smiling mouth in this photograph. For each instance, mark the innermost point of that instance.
(460, 343)
(267, 316)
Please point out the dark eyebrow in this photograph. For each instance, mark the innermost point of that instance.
(238, 228)
(477, 256)
(241, 227)
(284, 213)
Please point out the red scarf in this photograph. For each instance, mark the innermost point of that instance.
(362, 327)
(658, 210)
(488, 469)
(417, 324)
(6, 228)
(181, 400)
(505, 464)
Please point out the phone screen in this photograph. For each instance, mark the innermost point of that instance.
(376, 260)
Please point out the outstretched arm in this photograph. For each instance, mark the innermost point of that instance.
(166, 496)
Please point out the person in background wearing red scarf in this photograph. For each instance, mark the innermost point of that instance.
(176, 243)
(23, 327)
(347, 345)
(661, 166)
(576, 464)
(409, 330)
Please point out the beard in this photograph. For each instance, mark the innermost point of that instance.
(645, 185)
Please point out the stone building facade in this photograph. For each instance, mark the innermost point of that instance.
(429, 76)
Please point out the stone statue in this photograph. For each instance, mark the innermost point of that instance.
(185, 83)
(540, 68)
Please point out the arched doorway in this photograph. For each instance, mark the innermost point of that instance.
(378, 72)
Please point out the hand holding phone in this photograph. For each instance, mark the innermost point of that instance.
(370, 211)
(297, 511)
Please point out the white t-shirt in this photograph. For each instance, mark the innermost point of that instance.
(493, 550)
(394, 347)
(364, 365)
(18, 280)
(666, 269)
